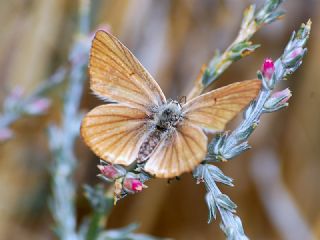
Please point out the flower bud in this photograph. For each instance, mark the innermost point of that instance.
(267, 68)
(278, 100)
(111, 172)
(293, 57)
(132, 183)
(284, 95)
(296, 52)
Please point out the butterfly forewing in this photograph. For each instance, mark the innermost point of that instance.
(181, 150)
(114, 132)
(115, 74)
(213, 110)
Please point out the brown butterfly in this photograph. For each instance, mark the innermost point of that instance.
(167, 137)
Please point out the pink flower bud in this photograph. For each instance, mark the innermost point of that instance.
(38, 106)
(267, 68)
(111, 172)
(293, 57)
(285, 94)
(277, 100)
(133, 185)
(296, 52)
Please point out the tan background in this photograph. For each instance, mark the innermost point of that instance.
(172, 39)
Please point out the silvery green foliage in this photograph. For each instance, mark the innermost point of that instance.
(268, 13)
(16, 105)
(228, 145)
(216, 200)
(98, 199)
(102, 204)
(62, 139)
(252, 21)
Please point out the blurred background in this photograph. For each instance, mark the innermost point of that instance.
(276, 183)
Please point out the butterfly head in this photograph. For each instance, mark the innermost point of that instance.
(168, 115)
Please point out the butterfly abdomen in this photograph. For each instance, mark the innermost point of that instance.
(149, 145)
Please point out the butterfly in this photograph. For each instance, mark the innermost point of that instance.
(139, 125)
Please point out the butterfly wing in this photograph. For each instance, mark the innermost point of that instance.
(180, 151)
(114, 132)
(116, 75)
(213, 110)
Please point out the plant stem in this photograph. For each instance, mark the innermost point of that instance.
(62, 139)
(252, 21)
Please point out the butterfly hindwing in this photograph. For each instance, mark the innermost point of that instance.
(116, 75)
(213, 110)
(180, 151)
(114, 132)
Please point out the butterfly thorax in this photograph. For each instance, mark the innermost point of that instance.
(168, 115)
(165, 119)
